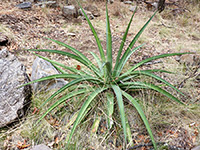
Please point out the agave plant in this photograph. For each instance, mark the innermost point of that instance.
(106, 78)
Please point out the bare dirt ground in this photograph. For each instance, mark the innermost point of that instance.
(177, 29)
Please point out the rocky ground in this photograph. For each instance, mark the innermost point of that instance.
(177, 29)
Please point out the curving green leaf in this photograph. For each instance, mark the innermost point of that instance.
(110, 109)
(62, 65)
(122, 43)
(67, 76)
(129, 135)
(62, 100)
(95, 34)
(72, 49)
(78, 53)
(158, 89)
(98, 62)
(79, 59)
(159, 70)
(84, 108)
(147, 73)
(73, 82)
(109, 71)
(118, 94)
(142, 115)
(139, 33)
(132, 76)
(108, 41)
(150, 59)
(95, 125)
(59, 69)
(133, 87)
(125, 59)
(127, 78)
(127, 52)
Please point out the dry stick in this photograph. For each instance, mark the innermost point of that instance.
(162, 24)
(192, 75)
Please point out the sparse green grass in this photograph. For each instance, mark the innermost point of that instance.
(164, 32)
(72, 28)
(47, 29)
(161, 114)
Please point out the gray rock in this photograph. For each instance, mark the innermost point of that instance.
(51, 4)
(128, 2)
(155, 5)
(13, 100)
(132, 8)
(24, 5)
(41, 147)
(3, 39)
(42, 68)
(152, 5)
(69, 11)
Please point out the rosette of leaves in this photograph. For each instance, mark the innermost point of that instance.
(106, 78)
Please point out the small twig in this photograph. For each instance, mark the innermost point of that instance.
(162, 24)
(190, 76)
